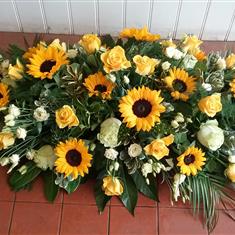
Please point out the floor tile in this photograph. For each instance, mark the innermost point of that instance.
(174, 221)
(83, 195)
(143, 223)
(225, 225)
(165, 198)
(36, 193)
(83, 220)
(5, 217)
(6, 193)
(36, 219)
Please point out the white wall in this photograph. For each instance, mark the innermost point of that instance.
(209, 19)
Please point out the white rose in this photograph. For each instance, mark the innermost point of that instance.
(108, 135)
(134, 150)
(166, 65)
(126, 80)
(210, 135)
(111, 154)
(189, 62)
(170, 51)
(178, 54)
(21, 133)
(146, 169)
(40, 114)
(14, 111)
(221, 63)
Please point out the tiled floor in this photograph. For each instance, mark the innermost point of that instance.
(28, 213)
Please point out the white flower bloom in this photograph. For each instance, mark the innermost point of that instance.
(146, 169)
(174, 124)
(221, 63)
(108, 135)
(189, 61)
(116, 166)
(40, 114)
(231, 158)
(166, 65)
(179, 117)
(170, 163)
(30, 154)
(14, 159)
(147, 181)
(126, 80)
(45, 157)
(210, 135)
(111, 77)
(9, 117)
(111, 168)
(10, 123)
(134, 150)
(4, 161)
(72, 53)
(176, 192)
(14, 111)
(179, 178)
(207, 86)
(170, 51)
(23, 169)
(178, 54)
(21, 133)
(111, 154)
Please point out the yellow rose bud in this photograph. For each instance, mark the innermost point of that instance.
(112, 186)
(145, 65)
(191, 44)
(210, 105)
(230, 61)
(65, 116)
(158, 148)
(115, 60)
(230, 172)
(90, 42)
(6, 139)
(16, 71)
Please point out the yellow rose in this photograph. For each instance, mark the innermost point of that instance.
(230, 172)
(60, 46)
(90, 42)
(16, 71)
(230, 61)
(112, 186)
(158, 148)
(65, 116)
(145, 65)
(210, 105)
(6, 139)
(115, 59)
(191, 44)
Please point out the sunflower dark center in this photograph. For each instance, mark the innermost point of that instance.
(179, 85)
(100, 88)
(142, 108)
(189, 159)
(73, 157)
(47, 65)
(1, 96)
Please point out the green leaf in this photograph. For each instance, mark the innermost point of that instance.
(130, 194)
(100, 198)
(148, 190)
(50, 188)
(108, 41)
(18, 181)
(73, 185)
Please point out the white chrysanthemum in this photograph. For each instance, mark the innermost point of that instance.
(14, 111)
(166, 65)
(134, 150)
(45, 157)
(21, 133)
(10, 123)
(170, 51)
(108, 135)
(111, 154)
(40, 114)
(146, 169)
(9, 117)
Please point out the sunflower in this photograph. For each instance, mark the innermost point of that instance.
(232, 85)
(191, 161)
(45, 62)
(32, 50)
(97, 84)
(4, 95)
(180, 84)
(141, 108)
(72, 158)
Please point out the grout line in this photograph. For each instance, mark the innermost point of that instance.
(177, 19)
(158, 220)
(43, 14)
(97, 16)
(17, 15)
(70, 17)
(108, 225)
(151, 4)
(208, 5)
(61, 215)
(230, 27)
(124, 7)
(12, 212)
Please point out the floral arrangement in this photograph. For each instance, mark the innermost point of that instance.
(123, 111)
